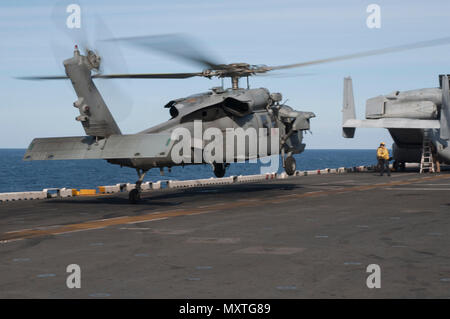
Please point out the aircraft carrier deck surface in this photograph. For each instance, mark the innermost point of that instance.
(302, 237)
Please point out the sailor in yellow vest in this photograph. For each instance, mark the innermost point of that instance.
(383, 159)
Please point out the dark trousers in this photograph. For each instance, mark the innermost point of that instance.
(382, 163)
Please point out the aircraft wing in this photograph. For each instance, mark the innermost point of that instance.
(392, 123)
(113, 147)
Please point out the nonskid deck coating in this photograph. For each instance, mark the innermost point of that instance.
(314, 233)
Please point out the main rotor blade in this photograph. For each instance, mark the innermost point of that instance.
(417, 45)
(49, 77)
(283, 74)
(180, 46)
(147, 76)
(119, 76)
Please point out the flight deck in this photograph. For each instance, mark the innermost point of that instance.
(299, 237)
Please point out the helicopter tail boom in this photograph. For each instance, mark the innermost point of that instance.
(94, 114)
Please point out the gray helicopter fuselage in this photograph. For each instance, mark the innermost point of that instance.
(229, 109)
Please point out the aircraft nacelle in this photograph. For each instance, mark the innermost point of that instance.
(382, 107)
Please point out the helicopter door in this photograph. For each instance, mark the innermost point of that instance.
(249, 121)
(266, 122)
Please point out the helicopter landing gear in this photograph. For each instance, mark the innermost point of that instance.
(134, 196)
(395, 166)
(399, 166)
(290, 165)
(219, 169)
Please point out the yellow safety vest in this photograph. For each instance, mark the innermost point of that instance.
(383, 152)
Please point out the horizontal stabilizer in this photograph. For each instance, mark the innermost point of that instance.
(86, 147)
(392, 123)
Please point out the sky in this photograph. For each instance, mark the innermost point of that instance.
(255, 32)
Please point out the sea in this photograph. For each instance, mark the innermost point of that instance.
(17, 175)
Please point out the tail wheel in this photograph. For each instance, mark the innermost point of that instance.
(290, 165)
(219, 170)
(134, 196)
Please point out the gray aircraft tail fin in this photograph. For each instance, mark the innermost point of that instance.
(94, 114)
(445, 110)
(348, 108)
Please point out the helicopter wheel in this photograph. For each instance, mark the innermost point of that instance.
(134, 196)
(290, 165)
(395, 165)
(219, 170)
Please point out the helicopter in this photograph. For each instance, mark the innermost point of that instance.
(220, 108)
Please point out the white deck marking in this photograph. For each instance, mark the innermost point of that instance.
(146, 221)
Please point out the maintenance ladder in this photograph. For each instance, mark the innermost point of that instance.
(427, 162)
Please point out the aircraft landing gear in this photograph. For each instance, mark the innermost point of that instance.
(402, 166)
(290, 165)
(134, 196)
(395, 166)
(219, 169)
(399, 166)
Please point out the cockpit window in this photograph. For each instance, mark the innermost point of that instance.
(173, 112)
(170, 104)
